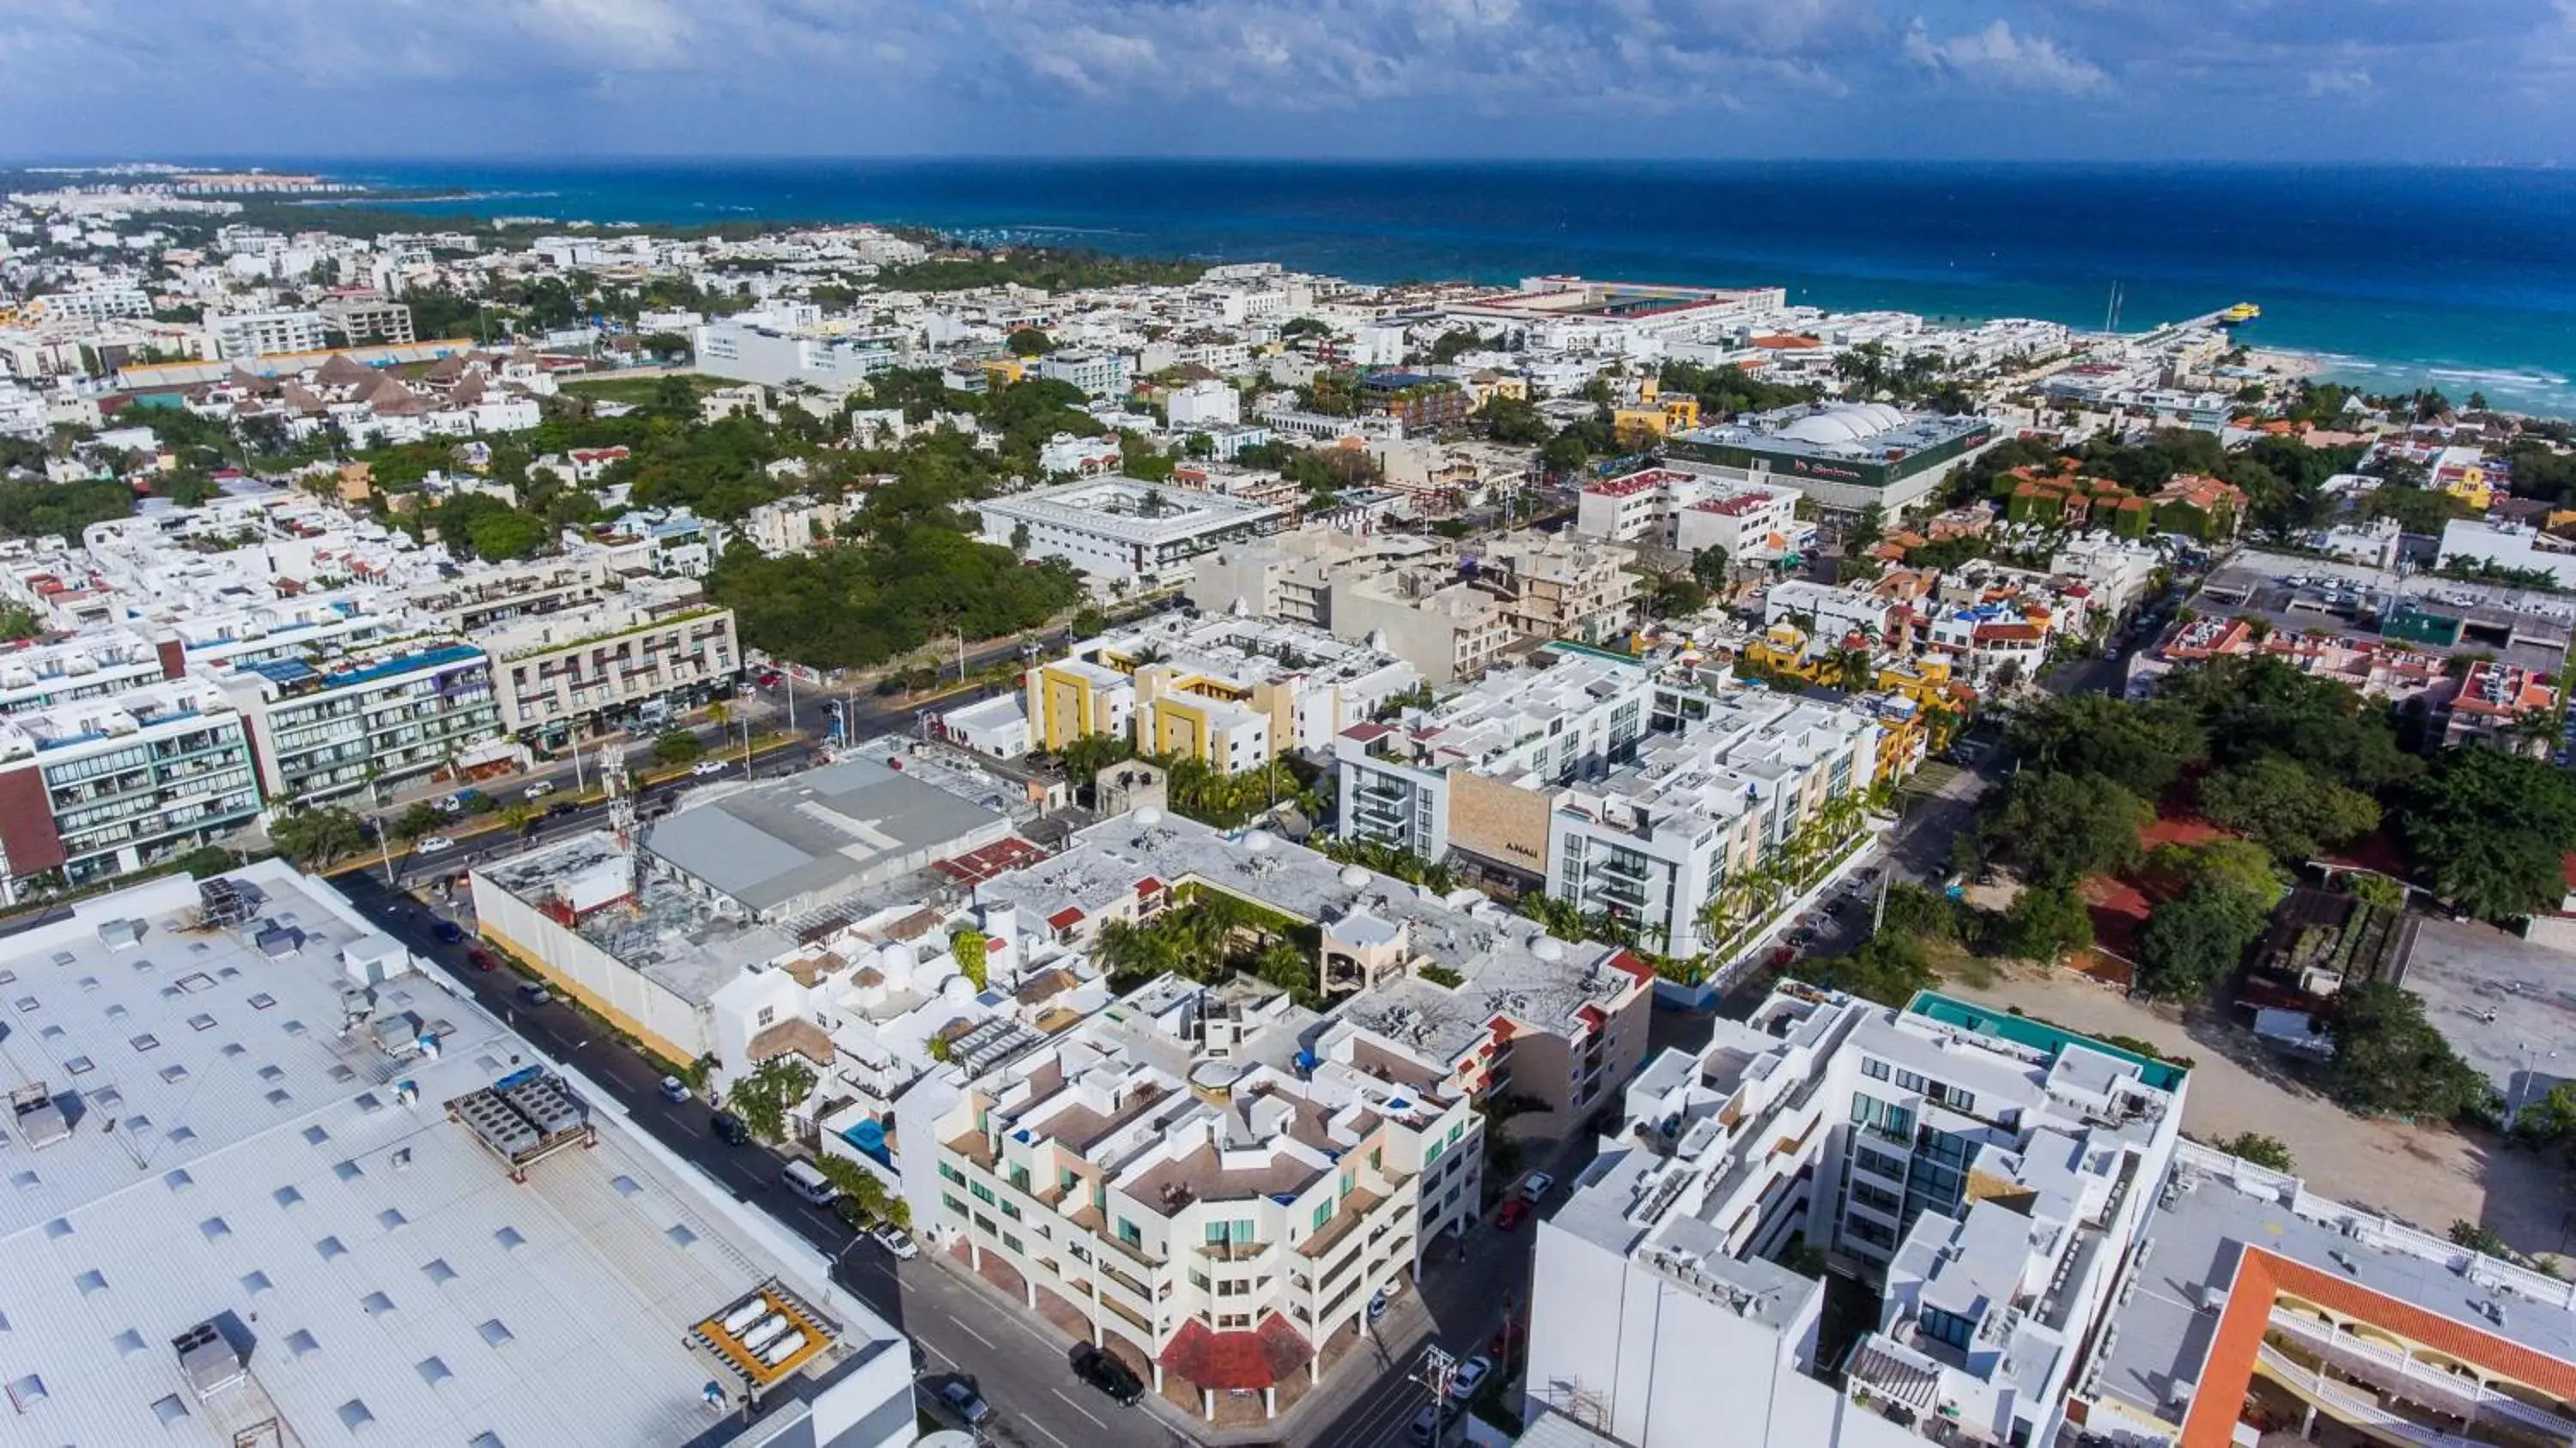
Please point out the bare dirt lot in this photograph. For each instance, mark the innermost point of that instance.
(2429, 1176)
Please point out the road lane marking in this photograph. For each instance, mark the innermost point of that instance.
(1041, 1427)
(1077, 1407)
(970, 1332)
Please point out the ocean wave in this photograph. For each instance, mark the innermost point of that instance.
(2496, 377)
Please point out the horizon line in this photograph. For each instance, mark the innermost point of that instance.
(272, 160)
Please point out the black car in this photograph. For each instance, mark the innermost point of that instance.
(729, 1128)
(1108, 1374)
(560, 808)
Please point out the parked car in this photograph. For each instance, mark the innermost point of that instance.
(450, 804)
(540, 789)
(674, 1089)
(435, 844)
(1431, 1424)
(707, 766)
(480, 958)
(449, 932)
(1469, 1377)
(1536, 1186)
(897, 1242)
(729, 1128)
(967, 1404)
(533, 994)
(1104, 1371)
(1514, 1212)
(560, 808)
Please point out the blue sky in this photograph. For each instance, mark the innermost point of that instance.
(2362, 80)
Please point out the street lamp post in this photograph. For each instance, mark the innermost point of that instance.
(1438, 1371)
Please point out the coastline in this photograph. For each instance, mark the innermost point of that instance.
(2430, 307)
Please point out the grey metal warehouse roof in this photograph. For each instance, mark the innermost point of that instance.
(800, 841)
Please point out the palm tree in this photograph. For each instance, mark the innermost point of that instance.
(519, 816)
(1853, 668)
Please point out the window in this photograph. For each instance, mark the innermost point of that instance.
(768, 1015)
(1909, 1081)
(982, 1192)
(1020, 1178)
(1947, 1327)
(949, 1172)
(1323, 1214)
(1128, 1234)
(1882, 1164)
(1876, 1198)
(954, 1207)
(1873, 1068)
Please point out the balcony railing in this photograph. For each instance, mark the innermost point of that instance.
(2386, 1367)
(2353, 1405)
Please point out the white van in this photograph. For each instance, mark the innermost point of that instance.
(812, 1185)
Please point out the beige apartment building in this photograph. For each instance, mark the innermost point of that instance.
(1198, 1190)
(629, 660)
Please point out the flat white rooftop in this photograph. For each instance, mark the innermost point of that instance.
(236, 1158)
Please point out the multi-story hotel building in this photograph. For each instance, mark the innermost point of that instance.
(96, 787)
(380, 714)
(1987, 1175)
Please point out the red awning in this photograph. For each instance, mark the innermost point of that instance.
(1246, 1360)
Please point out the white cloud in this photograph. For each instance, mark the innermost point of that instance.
(632, 33)
(2001, 56)
(2339, 81)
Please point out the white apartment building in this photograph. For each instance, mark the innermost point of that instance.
(1098, 374)
(1988, 1175)
(1183, 1174)
(1121, 531)
(780, 346)
(383, 713)
(88, 665)
(94, 787)
(1454, 992)
(2118, 571)
(1475, 773)
(94, 304)
(1670, 508)
(367, 319)
(1203, 405)
(1833, 610)
(1656, 841)
(262, 334)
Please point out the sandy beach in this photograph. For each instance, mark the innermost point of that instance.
(2284, 364)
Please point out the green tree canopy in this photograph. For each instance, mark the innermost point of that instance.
(315, 838)
(2389, 1059)
(2143, 748)
(2056, 828)
(2489, 829)
(1028, 342)
(678, 746)
(2043, 922)
(2195, 940)
(2295, 812)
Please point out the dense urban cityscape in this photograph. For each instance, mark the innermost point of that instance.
(835, 835)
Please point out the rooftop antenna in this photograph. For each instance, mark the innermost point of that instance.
(621, 805)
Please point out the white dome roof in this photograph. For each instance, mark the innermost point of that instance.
(1837, 426)
(1354, 877)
